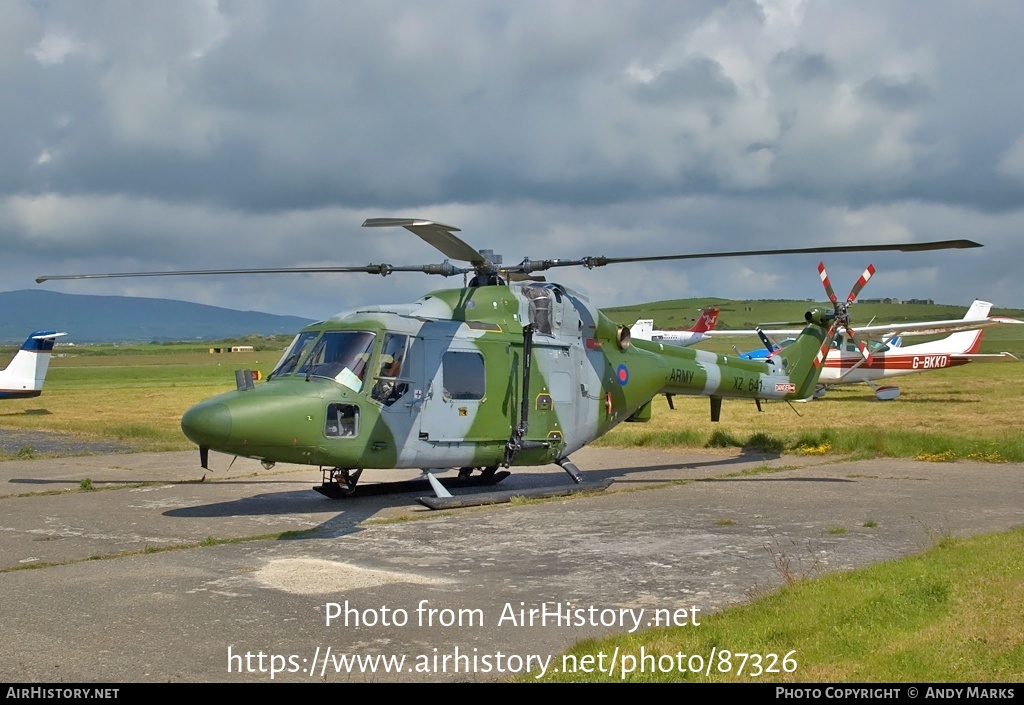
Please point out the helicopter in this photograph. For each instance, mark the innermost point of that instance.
(509, 370)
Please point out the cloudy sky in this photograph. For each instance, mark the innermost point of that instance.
(200, 134)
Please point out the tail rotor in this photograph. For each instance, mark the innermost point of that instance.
(841, 315)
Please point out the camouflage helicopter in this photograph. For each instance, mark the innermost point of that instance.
(509, 370)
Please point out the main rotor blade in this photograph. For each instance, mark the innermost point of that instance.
(438, 235)
(445, 269)
(529, 265)
(904, 247)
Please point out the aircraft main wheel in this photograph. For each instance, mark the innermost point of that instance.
(345, 480)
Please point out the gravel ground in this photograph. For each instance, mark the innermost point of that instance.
(40, 442)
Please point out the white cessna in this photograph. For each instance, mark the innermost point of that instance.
(845, 363)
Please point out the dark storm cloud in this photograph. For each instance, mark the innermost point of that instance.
(159, 136)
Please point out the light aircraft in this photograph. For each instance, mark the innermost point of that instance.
(643, 329)
(889, 357)
(770, 348)
(508, 370)
(24, 376)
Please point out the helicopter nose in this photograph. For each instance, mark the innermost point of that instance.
(207, 425)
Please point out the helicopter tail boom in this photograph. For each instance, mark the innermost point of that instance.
(791, 374)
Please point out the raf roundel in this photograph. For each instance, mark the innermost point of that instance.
(623, 374)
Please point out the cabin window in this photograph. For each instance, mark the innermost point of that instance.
(390, 386)
(463, 375)
(343, 356)
(342, 421)
(539, 308)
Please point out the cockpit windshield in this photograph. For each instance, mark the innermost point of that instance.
(343, 356)
(292, 356)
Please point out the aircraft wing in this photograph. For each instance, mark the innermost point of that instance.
(887, 331)
(986, 357)
(937, 327)
(720, 333)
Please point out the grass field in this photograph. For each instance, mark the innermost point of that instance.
(128, 396)
(967, 412)
(948, 615)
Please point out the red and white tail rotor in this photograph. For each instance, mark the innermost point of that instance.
(842, 313)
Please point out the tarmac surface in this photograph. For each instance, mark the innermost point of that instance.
(153, 576)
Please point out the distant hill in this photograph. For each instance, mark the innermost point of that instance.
(97, 319)
(92, 319)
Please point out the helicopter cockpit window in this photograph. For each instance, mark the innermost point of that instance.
(292, 356)
(463, 374)
(540, 308)
(342, 355)
(342, 421)
(390, 387)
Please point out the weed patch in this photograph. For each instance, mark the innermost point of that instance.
(722, 439)
(764, 443)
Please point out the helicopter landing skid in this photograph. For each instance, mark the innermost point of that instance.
(342, 485)
(477, 499)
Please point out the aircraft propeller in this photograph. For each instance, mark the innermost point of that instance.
(769, 345)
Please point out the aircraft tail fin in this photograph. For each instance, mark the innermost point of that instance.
(978, 310)
(968, 342)
(706, 322)
(804, 359)
(25, 374)
(964, 342)
(643, 329)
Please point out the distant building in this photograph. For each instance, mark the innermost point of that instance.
(889, 300)
(930, 302)
(233, 348)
